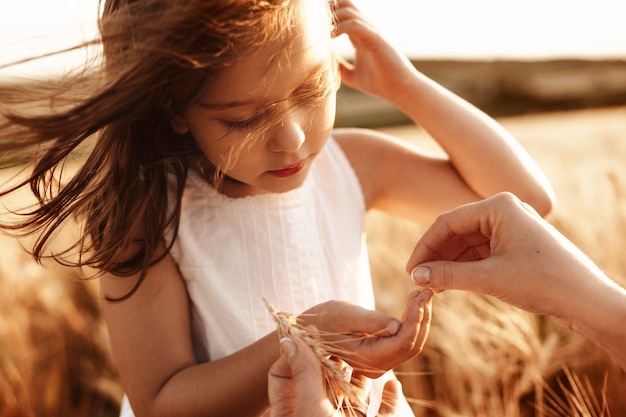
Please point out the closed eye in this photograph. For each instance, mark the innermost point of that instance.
(251, 122)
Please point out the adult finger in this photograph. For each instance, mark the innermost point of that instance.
(451, 275)
(442, 238)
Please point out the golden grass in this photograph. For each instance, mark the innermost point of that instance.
(54, 357)
(54, 350)
(345, 394)
(483, 358)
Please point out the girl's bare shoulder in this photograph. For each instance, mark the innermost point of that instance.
(374, 156)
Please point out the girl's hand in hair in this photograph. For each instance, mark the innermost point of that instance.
(379, 68)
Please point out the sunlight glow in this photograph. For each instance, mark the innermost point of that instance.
(446, 29)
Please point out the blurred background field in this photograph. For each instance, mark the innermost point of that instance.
(552, 72)
(483, 358)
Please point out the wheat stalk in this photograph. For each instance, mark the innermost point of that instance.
(341, 388)
(579, 398)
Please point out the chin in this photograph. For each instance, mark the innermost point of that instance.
(285, 188)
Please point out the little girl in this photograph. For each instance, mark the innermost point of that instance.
(214, 178)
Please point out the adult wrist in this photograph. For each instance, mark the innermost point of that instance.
(604, 320)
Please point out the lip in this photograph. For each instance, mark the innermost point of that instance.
(288, 171)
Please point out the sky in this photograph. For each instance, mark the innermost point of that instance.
(446, 29)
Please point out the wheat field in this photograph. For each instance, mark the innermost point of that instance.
(482, 358)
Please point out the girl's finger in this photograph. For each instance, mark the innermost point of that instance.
(426, 297)
(390, 404)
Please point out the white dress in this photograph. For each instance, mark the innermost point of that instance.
(297, 249)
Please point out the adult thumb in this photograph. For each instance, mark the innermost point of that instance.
(450, 275)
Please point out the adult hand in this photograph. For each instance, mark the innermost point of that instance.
(518, 257)
(503, 248)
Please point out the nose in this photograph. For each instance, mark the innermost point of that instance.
(287, 136)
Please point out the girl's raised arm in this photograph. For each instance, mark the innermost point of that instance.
(481, 153)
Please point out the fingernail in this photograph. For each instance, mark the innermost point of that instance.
(414, 295)
(393, 326)
(421, 275)
(288, 347)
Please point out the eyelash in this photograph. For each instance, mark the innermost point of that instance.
(243, 124)
(309, 95)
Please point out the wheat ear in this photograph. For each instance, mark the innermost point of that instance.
(336, 374)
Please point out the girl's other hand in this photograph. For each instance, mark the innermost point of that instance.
(370, 341)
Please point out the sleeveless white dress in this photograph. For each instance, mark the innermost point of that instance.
(297, 249)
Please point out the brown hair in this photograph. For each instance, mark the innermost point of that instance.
(158, 55)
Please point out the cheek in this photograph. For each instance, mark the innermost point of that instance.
(331, 111)
(214, 148)
(233, 153)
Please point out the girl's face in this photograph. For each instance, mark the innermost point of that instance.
(248, 97)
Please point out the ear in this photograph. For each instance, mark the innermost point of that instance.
(179, 125)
